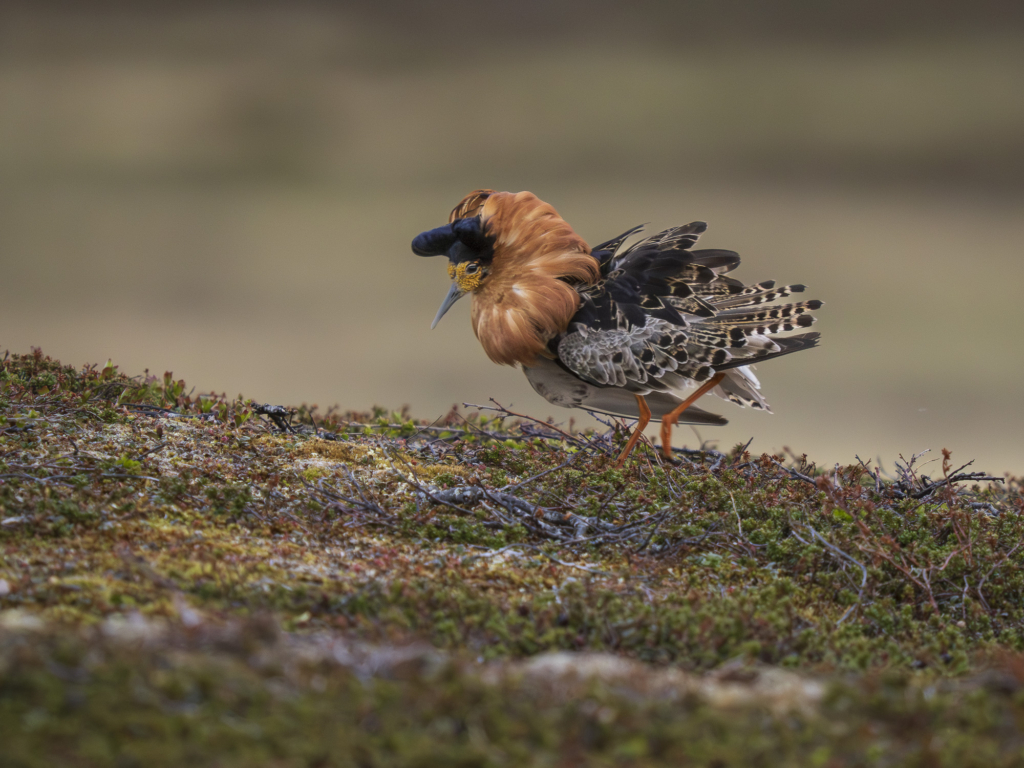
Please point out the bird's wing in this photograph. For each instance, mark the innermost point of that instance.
(664, 316)
(680, 238)
(652, 357)
(605, 252)
(673, 248)
(634, 329)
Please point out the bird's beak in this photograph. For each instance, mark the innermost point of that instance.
(454, 294)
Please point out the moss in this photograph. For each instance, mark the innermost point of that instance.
(333, 451)
(136, 692)
(125, 495)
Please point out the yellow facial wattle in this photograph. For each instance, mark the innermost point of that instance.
(466, 282)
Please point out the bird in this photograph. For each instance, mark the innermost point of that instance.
(637, 327)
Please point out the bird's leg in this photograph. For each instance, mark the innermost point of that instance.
(645, 418)
(670, 418)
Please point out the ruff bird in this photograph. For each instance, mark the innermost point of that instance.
(639, 327)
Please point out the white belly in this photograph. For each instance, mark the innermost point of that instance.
(559, 387)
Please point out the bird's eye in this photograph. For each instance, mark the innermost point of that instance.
(472, 268)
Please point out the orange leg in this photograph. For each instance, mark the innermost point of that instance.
(645, 419)
(669, 419)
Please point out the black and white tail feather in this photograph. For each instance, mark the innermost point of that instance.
(665, 318)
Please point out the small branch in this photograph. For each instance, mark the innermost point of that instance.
(155, 409)
(793, 473)
(542, 553)
(739, 522)
(594, 571)
(742, 451)
(154, 449)
(676, 546)
(864, 571)
(650, 535)
(539, 475)
(954, 478)
(502, 409)
(992, 570)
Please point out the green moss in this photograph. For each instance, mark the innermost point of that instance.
(237, 696)
(112, 505)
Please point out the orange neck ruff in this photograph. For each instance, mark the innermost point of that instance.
(527, 298)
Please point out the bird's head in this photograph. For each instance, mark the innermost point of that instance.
(469, 249)
(518, 258)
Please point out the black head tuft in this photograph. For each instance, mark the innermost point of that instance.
(470, 233)
(462, 240)
(434, 242)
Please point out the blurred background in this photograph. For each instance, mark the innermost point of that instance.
(228, 191)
